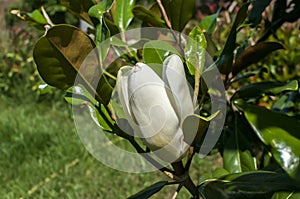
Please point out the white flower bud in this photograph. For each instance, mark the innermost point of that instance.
(156, 108)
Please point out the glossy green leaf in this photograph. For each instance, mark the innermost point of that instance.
(254, 54)
(277, 131)
(250, 185)
(79, 8)
(224, 62)
(60, 53)
(78, 95)
(148, 17)
(179, 12)
(209, 23)
(101, 117)
(255, 14)
(97, 11)
(123, 13)
(268, 87)
(149, 191)
(237, 158)
(34, 18)
(155, 52)
(195, 50)
(286, 195)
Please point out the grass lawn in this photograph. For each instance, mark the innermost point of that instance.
(41, 156)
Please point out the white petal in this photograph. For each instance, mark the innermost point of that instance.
(150, 106)
(174, 76)
(122, 94)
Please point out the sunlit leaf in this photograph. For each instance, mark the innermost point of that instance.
(195, 50)
(59, 55)
(34, 18)
(277, 131)
(209, 23)
(123, 13)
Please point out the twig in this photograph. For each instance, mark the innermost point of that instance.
(164, 13)
(47, 16)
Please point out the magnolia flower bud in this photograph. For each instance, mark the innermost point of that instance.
(157, 107)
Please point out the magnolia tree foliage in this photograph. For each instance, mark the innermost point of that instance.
(157, 91)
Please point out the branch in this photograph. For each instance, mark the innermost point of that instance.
(163, 11)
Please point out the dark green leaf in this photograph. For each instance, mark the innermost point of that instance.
(255, 13)
(59, 55)
(148, 17)
(149, 191)
(209, 23)
(155, 52)
(250, 185)
(195, 50)
(235, 158)
(111, 27)
(123, 13)
(79, 8)
(277, 131)
(179, 12)
(257, 89)
(248, 74)
(224, 62)
(254, 54)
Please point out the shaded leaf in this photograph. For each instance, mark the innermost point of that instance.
(255, 14)
(179, 12)
(148, 17)
(149, 191)
(123, 13)
(59, 55)
(224, 62)
(111, 27)
(79, 8)
(254, 54)
(277, 131)
(267, 87)
(195, 50)
(250, 185)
